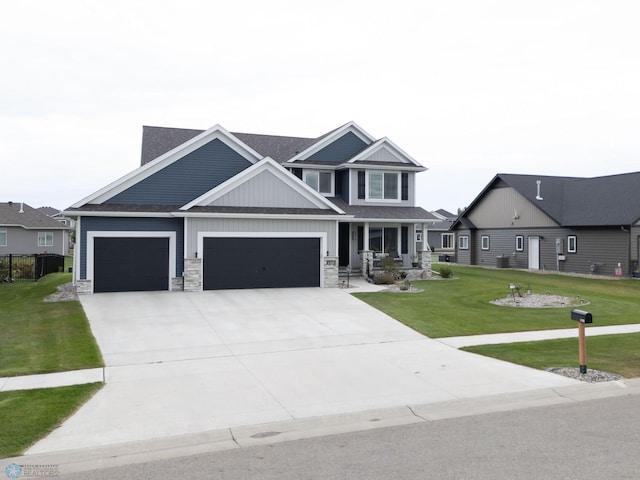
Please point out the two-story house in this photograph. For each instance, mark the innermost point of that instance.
(215, 210)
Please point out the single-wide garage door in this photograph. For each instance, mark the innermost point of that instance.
(260, 263)
(130, 264)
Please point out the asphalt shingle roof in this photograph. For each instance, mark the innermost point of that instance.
(29, 218)
(579, 202)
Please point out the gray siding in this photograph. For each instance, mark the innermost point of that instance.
(340, 150)
(264, 190)
(464, 256)
(384, 155)
(21, 241)
(402, 203)
(111, 224)
(195, 225)
(604, 248)
(506, 208)
(187, 178)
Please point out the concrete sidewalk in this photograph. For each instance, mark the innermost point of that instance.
(78, 377)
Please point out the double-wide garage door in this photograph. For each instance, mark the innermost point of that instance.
(130, 264)
(260, 262)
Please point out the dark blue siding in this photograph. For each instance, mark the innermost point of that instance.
(112, 224)
(186, 179)
(340, 150)
(344, 178)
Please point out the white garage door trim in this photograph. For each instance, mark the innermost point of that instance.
(91, 235)
(321, 235)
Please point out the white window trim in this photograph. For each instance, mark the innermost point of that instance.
(46, 236)
(466, 242)
(6, 237)
(331, 193)
(452, 241)
(575, 244)
(482, 241)
(519, 243)
(383, 173)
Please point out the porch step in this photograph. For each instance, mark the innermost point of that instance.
(355, 272)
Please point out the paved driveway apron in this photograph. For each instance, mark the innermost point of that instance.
(180, 363)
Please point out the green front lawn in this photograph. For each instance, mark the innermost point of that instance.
(42, 337)
(460, 306)
(28, 415)
(612, 353)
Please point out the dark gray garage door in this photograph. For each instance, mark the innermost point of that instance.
(130, 264)
(261, 263)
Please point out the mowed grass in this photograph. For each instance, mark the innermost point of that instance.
(28, 415)
(43, 337)
(612, 353)
(461, 306)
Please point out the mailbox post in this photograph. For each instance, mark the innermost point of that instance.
(582, 318)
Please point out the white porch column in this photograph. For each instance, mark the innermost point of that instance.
(366, 236)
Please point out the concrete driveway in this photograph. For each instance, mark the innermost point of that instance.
(184, 363)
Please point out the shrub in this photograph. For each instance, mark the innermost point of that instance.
(383, 279)
(445, 271)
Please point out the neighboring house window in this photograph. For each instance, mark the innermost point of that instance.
(572, 244)
(45, 239)
(320, 181)
(519, 243)
(447, 241)
(3, 237)
(463, 242)
(383, 186)
(418, 235)
(484, 242)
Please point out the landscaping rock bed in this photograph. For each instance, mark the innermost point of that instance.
(66, 293)
(539, 301)
(592, 376)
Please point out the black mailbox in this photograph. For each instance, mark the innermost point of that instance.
(581, 316)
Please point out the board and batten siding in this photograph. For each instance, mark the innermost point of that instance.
(264, 190)
(187, 178)
(384, 155)
(598, 250)
(238, 225)
(115, 224)
(506, 208)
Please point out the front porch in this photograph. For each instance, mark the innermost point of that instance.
(364, 246)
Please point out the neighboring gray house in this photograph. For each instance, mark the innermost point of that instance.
(26, 231)
(567, 224)
(215, 210)
(440, 237)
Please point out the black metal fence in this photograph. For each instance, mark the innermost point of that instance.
(29, 268)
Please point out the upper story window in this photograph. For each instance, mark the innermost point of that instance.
(3, 237)
(320, 181)
(45, 239)
(384, 186)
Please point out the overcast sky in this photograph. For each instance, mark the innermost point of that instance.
(468, 88)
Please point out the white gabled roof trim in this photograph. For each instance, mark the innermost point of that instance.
(316, 147)
(123, 183)
(270, 165)
(389, 145)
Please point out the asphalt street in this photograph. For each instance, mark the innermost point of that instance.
(596, 439)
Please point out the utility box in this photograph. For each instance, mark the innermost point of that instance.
(502, 261)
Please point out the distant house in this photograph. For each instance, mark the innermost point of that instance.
(57, 215)
(25, 231)
(566, 224)
(214, 209)
(440, 237)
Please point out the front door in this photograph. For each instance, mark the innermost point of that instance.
(534, 253)
(343, 244)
